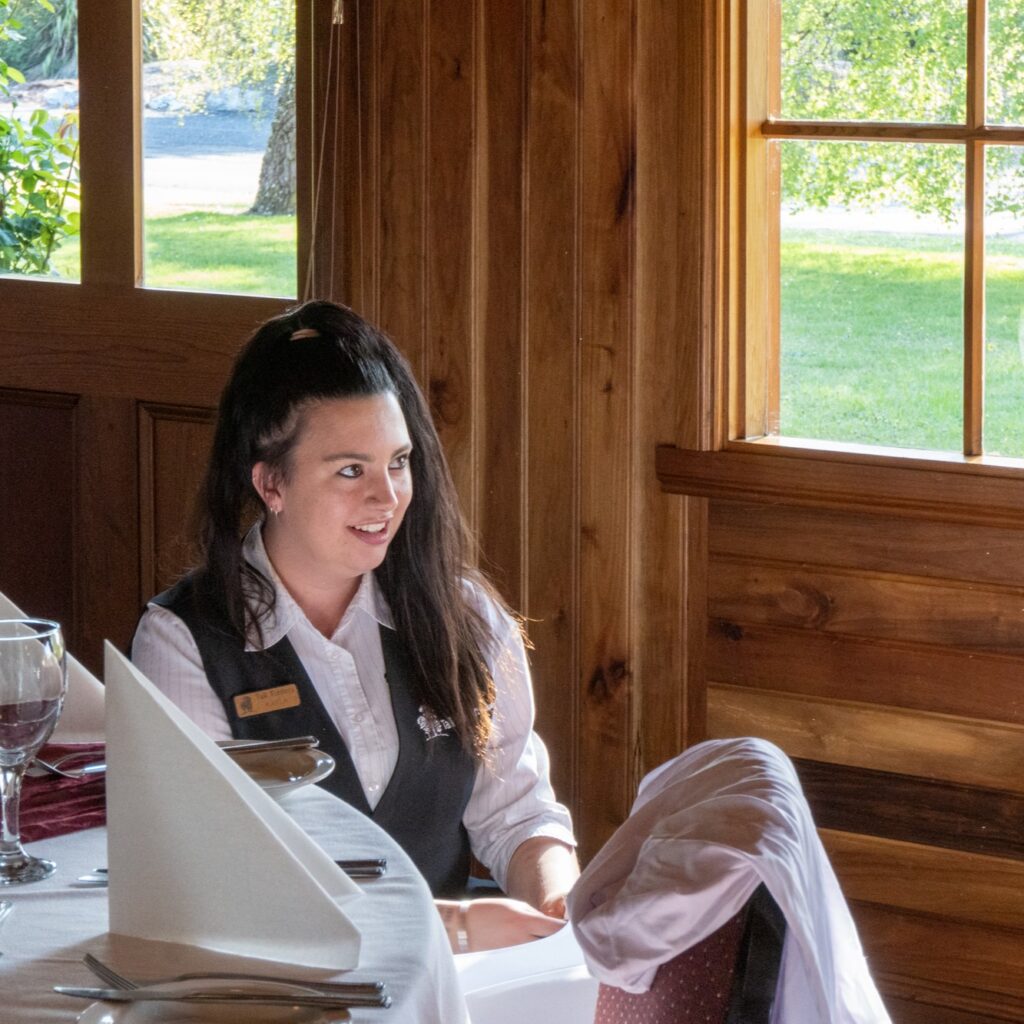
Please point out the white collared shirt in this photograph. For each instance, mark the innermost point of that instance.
(512, 799)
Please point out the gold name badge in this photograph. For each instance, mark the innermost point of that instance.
(262, 702)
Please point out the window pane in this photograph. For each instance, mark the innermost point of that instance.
(219, 146)
(39, 181)
(1005, 84)
(1004, 302)
(871, 296)
(874, 60)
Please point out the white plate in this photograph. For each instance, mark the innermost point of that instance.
(186, 1013)
(281, 772)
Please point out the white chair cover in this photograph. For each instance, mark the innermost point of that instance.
(706, 828)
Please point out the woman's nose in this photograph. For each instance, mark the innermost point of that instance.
(382, 492)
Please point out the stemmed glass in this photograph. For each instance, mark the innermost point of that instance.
(33, 681)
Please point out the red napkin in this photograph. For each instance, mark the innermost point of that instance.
(52, 806)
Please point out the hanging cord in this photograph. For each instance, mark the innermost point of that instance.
(307, 291)
(359, 160)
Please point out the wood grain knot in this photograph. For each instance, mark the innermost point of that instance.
(806, 604)
(730, 630)
(609, 682)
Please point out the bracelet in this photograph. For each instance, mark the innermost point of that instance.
(461, 936)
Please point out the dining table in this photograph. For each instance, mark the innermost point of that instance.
(57, 921)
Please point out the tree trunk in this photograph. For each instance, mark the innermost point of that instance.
(276, 192)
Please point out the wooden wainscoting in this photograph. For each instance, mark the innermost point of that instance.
(886, 655)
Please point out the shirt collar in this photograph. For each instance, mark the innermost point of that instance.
(286, 614)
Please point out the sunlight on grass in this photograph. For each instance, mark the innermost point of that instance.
(211, 252)
(872, 328)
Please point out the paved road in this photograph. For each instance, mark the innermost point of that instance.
(201, 161)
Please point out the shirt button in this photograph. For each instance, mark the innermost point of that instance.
(372, 788)
(359, 718)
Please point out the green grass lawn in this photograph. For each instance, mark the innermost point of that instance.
(871, 340)
(212, 252)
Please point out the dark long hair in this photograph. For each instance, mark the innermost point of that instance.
(315, 352)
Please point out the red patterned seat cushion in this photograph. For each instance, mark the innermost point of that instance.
(692, 988)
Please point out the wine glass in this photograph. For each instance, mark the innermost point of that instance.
(33, 681)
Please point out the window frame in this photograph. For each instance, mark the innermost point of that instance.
(716, 460)
(752, 363)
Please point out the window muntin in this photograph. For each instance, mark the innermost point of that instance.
(932, 169)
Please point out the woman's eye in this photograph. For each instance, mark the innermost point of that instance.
(351, 471)
(400, 462)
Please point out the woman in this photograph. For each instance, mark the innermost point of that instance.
(348, 611)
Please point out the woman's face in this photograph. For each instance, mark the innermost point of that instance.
(344, 494)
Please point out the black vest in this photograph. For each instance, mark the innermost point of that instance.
(423, 803)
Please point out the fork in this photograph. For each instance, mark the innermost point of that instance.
(371, 993)
(54, 768)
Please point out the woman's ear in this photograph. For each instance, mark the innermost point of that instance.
(267, 484)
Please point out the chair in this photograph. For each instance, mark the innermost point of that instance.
(730, 977)
(715, 903)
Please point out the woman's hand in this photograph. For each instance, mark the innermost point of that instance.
(493, 923)
(541, 872)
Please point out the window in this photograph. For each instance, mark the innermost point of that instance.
(215, 191)
(881, 291)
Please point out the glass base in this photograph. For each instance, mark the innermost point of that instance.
(18, 869)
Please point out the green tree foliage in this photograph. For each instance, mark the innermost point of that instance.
(895, 60)
(47, 46)
(246, 44)
(38, 172)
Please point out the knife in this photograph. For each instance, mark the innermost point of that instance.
(369, 867)
(298, 997)
(290, 743)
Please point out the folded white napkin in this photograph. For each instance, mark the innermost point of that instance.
(199, 853)
(81, 720)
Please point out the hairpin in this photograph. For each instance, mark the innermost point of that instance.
(305, 332)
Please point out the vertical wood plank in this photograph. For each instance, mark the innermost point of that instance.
(399, 141)
(450, 279)
(37, 543)
(607, 222)
(667, 324)
(552, 311)
(107, 596)
(498, 292)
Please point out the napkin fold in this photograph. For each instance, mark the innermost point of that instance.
(81, 718)
(53, 806)
(199, 854)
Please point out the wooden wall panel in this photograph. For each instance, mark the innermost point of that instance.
(886, 651)
(499, 293)
(977, 752)
(607, 212)
(392, 205)
(449, 376)
(36, 479)
(957, 886)
(552, 304)
(174, 444)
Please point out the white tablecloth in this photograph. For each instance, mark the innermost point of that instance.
(54, 924)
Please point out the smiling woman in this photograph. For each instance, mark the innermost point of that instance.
(334, 582)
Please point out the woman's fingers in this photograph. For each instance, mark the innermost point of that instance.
(493, 923)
